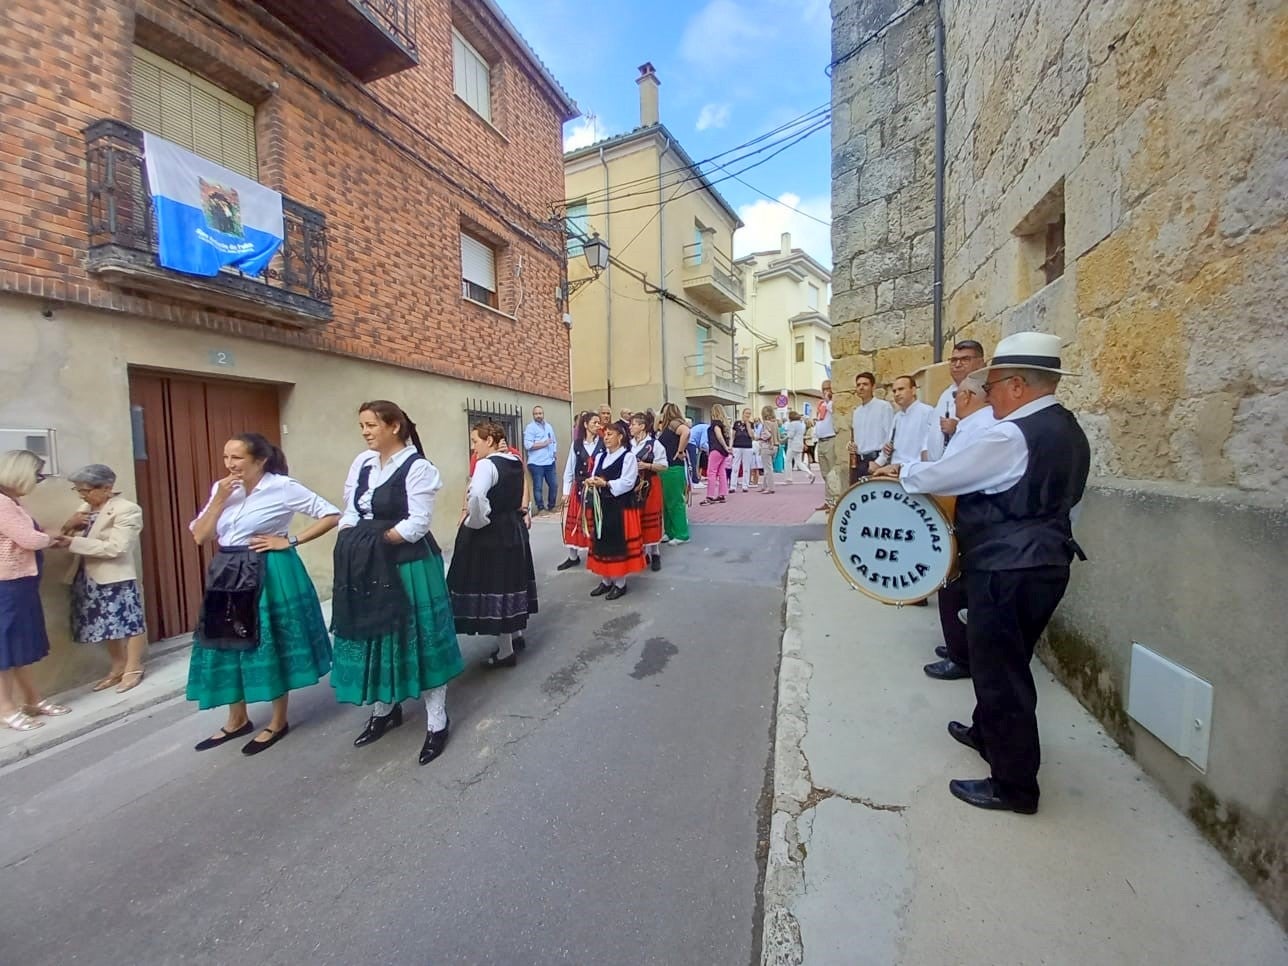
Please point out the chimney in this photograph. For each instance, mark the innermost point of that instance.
(649, 84)
(786, 242)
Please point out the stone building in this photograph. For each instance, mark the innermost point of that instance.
(1114, 173)
(418, 148)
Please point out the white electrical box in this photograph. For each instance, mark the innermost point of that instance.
(1172, 703)
(42, 442)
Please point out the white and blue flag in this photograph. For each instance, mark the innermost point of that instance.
(207, 216)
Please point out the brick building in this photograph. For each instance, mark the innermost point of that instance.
(418, 148)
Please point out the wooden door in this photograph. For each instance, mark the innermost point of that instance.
(180, 426)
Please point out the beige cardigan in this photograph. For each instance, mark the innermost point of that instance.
(108, 550)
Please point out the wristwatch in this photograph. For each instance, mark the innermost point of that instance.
(293, 540)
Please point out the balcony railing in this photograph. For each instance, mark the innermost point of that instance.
(296, 286)
(369, 38)
(708, 376)
(710, 276)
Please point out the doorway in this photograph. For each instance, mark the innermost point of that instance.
(180, 424)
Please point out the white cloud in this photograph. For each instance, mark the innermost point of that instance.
(581, 132)
(765, 221)
(713, 115)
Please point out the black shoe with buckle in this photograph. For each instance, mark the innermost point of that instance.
(435, 742)
(569, 563)
(255, 746)
(493, 663)
(983, 793)
(208, 743)
(377, 725)
(615, 593)
(601, 590)
(946, 670)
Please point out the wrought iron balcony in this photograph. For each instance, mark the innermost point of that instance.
(369, 38)
(710, 378)
(295, 288)
(711, 278)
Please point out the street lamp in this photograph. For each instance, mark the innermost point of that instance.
(596, 251)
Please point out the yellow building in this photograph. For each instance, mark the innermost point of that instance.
(657, 325)
(785, 331)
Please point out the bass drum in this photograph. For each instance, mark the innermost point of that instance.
(895, 546)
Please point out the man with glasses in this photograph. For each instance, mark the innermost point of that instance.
(1017, 484)
(967, 357)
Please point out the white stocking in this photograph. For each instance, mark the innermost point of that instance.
(506, 646)
(380, 709)
(436, 708)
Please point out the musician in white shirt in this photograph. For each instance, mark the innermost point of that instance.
(910, 433)
(967, 357)
(871, 424)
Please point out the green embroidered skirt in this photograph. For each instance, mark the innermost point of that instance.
(420, 656)
(294, 648)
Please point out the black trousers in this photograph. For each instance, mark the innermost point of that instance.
(952, 599)
(1008, 611)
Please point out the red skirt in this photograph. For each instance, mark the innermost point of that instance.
(573, 533)
(651, 512)
(611, 561)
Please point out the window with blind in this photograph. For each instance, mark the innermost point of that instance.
(473, 76)
(578, 222)
(179, 106)
(478, 271)
(800, 350)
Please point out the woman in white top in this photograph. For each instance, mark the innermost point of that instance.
(261, 632)
(616, 539)
(391, 616)
(587, 444)
(650, 457)
(796, 448)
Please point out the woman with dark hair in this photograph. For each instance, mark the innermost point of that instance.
(587, 444)
(616, 538)
(392, 617)
(674, 439)
(650, 457)
(492, 580)
(261, 632)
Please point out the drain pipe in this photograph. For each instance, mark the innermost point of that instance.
(608, 283)
(941, 131)
(661, 263)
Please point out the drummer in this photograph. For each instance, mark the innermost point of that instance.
(974, 416)
(1017, 483)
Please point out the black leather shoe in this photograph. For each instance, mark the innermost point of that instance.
(519, 643)
(656, 562)
(946, 670)
(966, 736)
(493, 663)
(569, 563)
(942, 651)
(981, 793)
(615, 593)
(377, 725)
(209, 743)
(435, 742)
(601, 590)
(254, 747)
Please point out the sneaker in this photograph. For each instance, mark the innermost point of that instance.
(677, 541)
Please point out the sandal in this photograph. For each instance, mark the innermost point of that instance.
(132, 680)
(21, 721)
(46, 707)
(107, 682)
(705, 502)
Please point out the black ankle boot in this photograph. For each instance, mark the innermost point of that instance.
(435, 742)
(378, 725)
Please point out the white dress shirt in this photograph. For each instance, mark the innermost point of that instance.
(871, 425)
(945, 408)
(630, 470)
(993, 462)
(423, 483)
(911, 433)
(970, 428)
(578, 451)
(478, 506)
(659, 451)
(823, 424)
(268, 509)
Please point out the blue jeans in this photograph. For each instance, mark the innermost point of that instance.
(544, 474)
(692, 451)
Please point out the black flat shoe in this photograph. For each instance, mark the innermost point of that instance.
(569, 563)
(615, 593)
(966, 736)
(209, 743)
(377, 725)
(434, 744)
(656, 562)
(942, 651)
(946, 670)
(981, 793)
(493, 663)
(254, 747)
(601, 590)
(520, 644)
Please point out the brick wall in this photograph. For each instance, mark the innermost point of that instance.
(396, 166)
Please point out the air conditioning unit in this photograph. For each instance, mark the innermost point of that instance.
(42, 442)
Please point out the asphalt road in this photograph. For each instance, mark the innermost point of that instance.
(600, 804)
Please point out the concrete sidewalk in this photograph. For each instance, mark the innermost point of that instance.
(871, 860)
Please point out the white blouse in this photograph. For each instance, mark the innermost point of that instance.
(267, 510)
(423, 483)
(486, 476)
(659, 451)
(630, 470)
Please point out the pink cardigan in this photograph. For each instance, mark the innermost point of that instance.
(19, 541)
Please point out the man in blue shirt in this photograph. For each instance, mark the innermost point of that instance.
(696, 449)
(539, 441)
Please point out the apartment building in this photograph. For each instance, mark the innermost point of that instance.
(657, 324)
(416, 146)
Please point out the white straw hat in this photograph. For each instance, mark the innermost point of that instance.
(1028, 350)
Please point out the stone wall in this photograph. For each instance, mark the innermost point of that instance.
(1154, 132)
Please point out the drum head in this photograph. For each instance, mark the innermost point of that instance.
(895, 546)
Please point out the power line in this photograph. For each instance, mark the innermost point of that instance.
(776, 201)
(875, 35)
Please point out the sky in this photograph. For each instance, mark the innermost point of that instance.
(731, 70)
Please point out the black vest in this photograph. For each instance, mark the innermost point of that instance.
(581, 464)
(506, 495)
(1028, 525)
(389, 506)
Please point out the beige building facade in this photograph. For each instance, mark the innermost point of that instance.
(657, 325)
(1113, 173)
(785, 332)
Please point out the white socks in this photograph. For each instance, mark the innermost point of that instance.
(381, 710)
(506, 646)
(619, 581)
(435, 704)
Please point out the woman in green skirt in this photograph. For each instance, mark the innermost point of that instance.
(674, 439)
(261, 632)
(395, 637)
